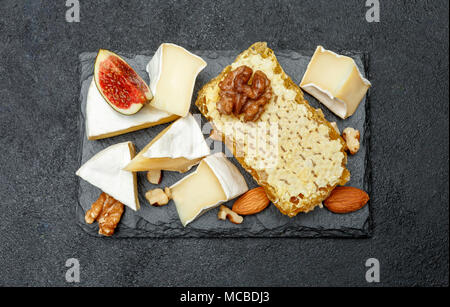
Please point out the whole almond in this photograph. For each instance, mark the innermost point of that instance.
(252, 202)
(346, 199)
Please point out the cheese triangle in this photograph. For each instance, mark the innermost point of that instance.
(176, 148)
(172, 72)
(335, 81)
(216, 180)
(102, 121)
(105, 171)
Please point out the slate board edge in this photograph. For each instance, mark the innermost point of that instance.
(298, 232)
(369, 224)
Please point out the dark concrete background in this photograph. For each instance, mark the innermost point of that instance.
(39, 140)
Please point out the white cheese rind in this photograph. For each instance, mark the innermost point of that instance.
(184, 138)
(231, 180)
(104, 170)
(103, 121)
(172, 79)
(336, 105)
(335, 81)
(216, 179)
(154, 69)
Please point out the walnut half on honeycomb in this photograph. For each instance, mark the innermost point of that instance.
(242, 93)
(107, 211)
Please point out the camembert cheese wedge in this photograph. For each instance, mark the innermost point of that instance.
(105, 171)
(172, 72)
(102, 121)
(216, 180)
(176, 148)
(335, 81)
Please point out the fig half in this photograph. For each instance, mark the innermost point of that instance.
(123, 89)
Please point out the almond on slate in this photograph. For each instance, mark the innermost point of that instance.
(346, 200)
(251, 202)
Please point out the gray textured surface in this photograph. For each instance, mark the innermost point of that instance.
(163, 222)
(39, 138)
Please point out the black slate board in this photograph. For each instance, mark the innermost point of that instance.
(163, 222)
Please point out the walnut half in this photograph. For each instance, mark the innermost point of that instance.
(351, 137)
(154, 176)
(233, 217)
(242, 93)
(107, 211)
(157, 197)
